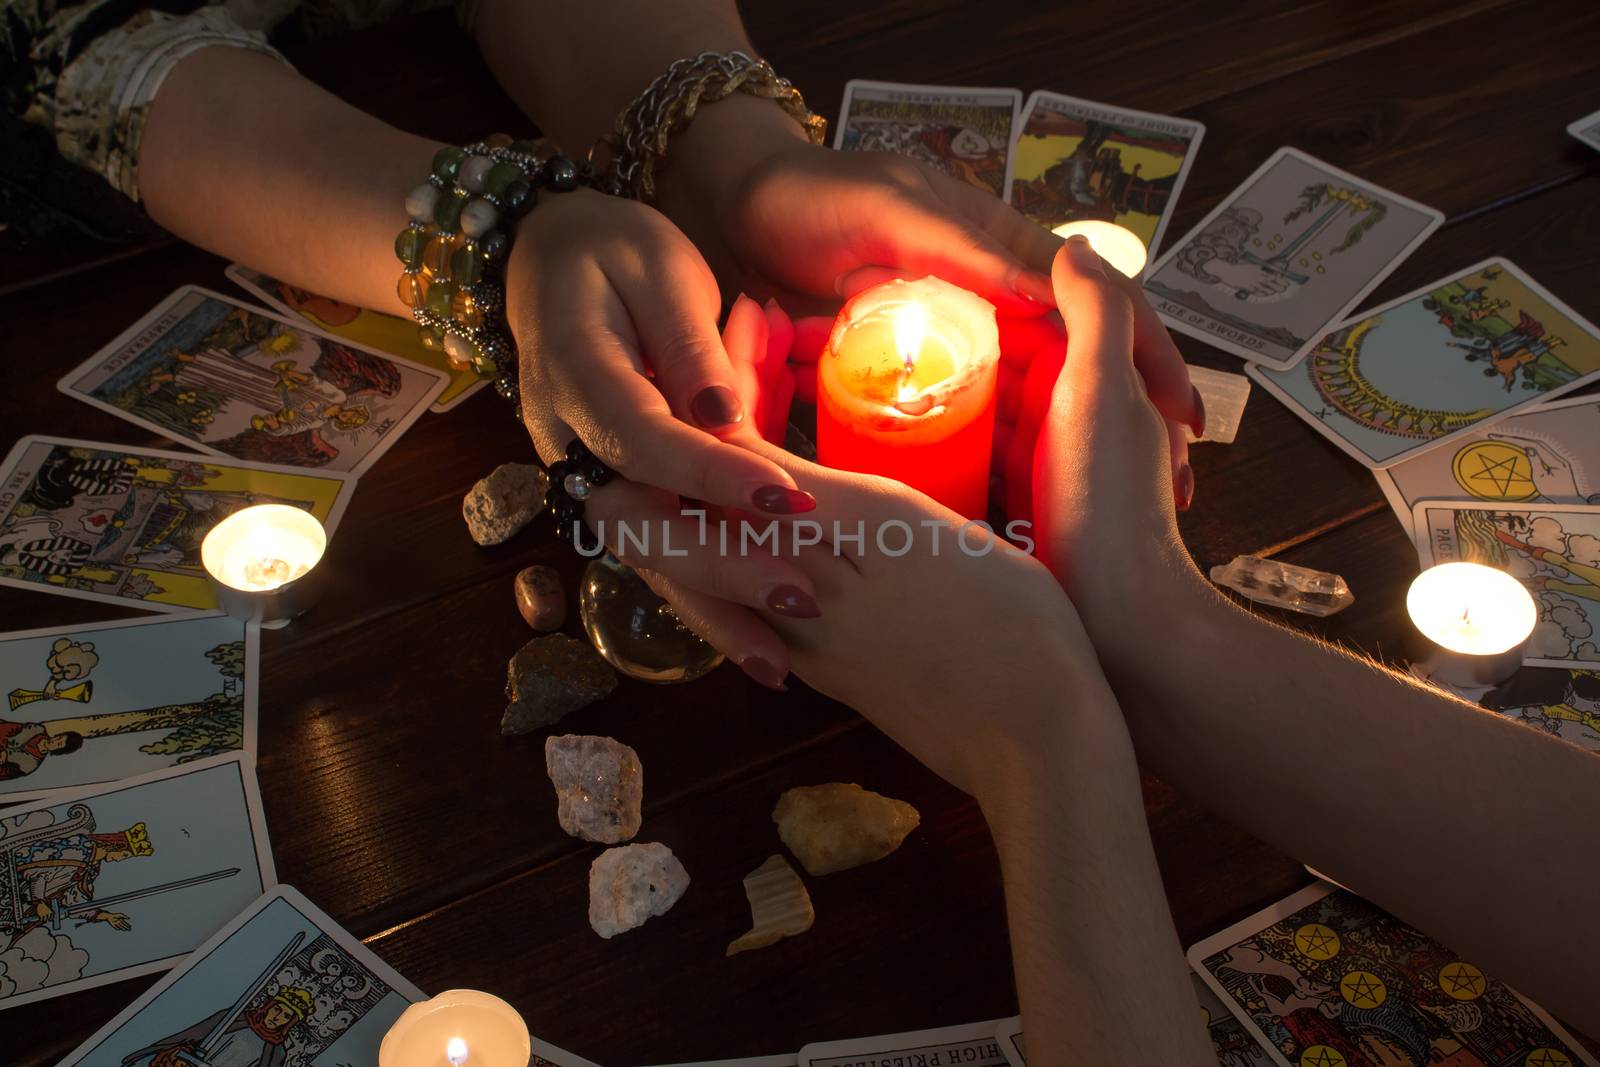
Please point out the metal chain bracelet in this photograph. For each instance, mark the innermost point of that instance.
(638, 143)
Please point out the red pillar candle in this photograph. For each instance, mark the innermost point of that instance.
(905, 389)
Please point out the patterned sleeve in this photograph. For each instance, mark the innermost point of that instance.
(87, 71)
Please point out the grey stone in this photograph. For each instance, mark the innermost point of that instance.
(551, 677)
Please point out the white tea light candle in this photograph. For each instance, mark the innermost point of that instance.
(257, 558)
(1117, 245)
(457, 1028)
(1478, 618)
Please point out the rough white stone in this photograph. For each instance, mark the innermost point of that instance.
(631, 884)
(504, 502)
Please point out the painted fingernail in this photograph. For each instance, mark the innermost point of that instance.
(763, 673)
(781, 500)
(793, 602)
(1083, 255)
(1198, 426)
(1036, 287)
(716, 406)
(1182, 488)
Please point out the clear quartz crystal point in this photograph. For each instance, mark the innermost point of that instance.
(1283, 585)
(1224, 396)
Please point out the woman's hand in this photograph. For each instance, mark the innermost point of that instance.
(783, 218)
(925, 642)
(615, 316)
(1102, 501)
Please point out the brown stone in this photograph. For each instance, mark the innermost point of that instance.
(540, 599)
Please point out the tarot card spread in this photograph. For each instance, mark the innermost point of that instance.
(282, 985)
(235, 381)
(1288, 253)
(964, 132)
(124, 881)
(1430, 366)
(104, 522)
(104, 702)
(1076, 159)
(1554, 551)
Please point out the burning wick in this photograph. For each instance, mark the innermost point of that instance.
(267, 572)
(910, 327)
(456, 1052)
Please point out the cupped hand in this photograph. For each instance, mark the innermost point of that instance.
(615, 317)
(1103, 508)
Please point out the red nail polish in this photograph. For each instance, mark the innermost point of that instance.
(1035, 287)
(764, 673)
(781, 500)
(1182, 487)
(794, 602)
(716, 406)
(1198, 426)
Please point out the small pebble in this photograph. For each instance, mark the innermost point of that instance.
(632, 883)
(550, 677)
(504, 502)
(540, 598)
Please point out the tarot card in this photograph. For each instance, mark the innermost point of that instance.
(114, 700)
(361, 326)
(281, 984)
(234, 381)
(973, 1044)
(126, 879)
(1324, 978)
(1560, 701)
(1235, 1046)
(1076, 159)
(1009, 1034)
(124, 525)
(964, 132)
(1289, 252)
(1587, 130)
(1549, 454)
(1431, 366)
(1554, 550)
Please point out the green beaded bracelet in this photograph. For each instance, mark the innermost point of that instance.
(453, 249)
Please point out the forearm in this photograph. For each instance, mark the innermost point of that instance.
(1100, 974)
(246, 158)
(1473, 828)
(567, 65)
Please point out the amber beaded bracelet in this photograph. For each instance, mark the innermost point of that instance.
(454, 250)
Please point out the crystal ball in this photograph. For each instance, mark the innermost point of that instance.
(636, 631)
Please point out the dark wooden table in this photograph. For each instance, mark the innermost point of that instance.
(394, 803)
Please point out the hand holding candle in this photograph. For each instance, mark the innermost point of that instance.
(906, 390)
(1117, 245)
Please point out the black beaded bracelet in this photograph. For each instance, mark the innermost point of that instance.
(454, 250)
(571, 481)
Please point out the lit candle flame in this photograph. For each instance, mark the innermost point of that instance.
(910, 327)
(456, 1051)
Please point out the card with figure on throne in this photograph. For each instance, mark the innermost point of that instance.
(234, 380)
(124, 525)
(107, 701)
(1076, 159)
(127, 879)
(282, 985)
